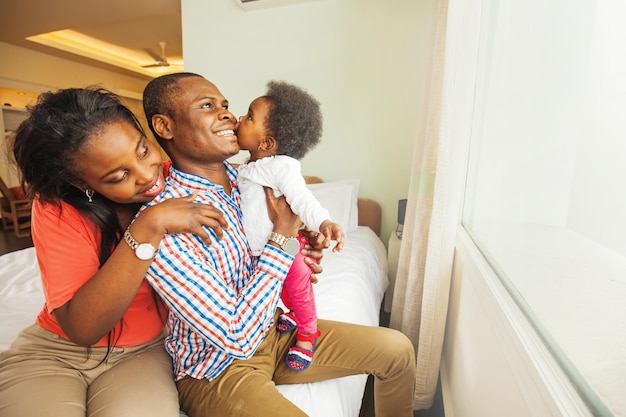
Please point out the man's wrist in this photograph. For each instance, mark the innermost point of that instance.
(288, 245)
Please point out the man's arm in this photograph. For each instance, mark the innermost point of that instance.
(215, 296)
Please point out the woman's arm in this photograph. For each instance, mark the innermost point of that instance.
(99, 304)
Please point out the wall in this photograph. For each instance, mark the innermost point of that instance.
(367, 63)
(37, 72)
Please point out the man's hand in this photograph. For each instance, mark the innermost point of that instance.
(285, 221)
(313, 251)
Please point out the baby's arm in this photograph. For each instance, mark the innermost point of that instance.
(332, 231)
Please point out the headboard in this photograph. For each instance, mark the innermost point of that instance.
(370, 211)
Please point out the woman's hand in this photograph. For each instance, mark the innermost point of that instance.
(183, 215)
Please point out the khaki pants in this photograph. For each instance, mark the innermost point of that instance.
(44, 375)
(246, 388)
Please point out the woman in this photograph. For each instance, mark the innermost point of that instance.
(97, 346)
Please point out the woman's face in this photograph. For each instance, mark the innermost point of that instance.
(121, 164)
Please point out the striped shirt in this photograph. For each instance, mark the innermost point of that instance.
(221, 299)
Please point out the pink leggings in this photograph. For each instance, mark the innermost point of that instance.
(297, 294)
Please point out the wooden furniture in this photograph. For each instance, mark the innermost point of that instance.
(15, 211)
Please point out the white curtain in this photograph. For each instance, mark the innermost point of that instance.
(422, 284)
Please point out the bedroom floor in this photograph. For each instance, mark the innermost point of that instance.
(9, 243)
(367, 409)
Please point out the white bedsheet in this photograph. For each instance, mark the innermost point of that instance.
(21, 297)
(350, 289)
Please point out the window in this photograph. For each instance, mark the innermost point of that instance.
(546, 189)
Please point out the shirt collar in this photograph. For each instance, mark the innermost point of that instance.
(198, 183)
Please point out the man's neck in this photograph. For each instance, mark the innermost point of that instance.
(214, 172)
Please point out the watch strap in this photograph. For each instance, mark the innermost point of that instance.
(288, 245)
(279, 239)
(142, 250)
(130, 240)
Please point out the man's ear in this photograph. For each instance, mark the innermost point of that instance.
(162, 125)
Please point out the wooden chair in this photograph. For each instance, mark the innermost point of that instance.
(15, 211)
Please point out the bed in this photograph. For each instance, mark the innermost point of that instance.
(351, 288)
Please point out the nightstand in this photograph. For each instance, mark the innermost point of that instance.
(393, 254)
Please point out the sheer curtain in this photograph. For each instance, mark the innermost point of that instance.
(422, 285)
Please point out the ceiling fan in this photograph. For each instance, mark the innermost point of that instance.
(160, 61)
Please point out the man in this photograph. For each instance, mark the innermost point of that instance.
(227, 353)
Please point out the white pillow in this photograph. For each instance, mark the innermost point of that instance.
(340, 199)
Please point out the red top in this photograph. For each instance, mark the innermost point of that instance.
(67, 246)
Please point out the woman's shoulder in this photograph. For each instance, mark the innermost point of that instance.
(52, 216)
(53, 210)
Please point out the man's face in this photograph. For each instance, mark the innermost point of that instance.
(204, 129)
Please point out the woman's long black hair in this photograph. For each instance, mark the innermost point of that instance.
(47, 144)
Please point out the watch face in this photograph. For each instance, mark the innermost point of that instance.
(292, 247)
(145, 251)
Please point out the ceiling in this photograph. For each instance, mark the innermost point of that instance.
(117, 35)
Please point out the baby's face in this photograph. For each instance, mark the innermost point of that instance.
(252, 133)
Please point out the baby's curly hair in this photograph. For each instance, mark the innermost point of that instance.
(295, 119)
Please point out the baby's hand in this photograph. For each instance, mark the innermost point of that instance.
(332, 231)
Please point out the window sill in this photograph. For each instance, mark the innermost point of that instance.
(573, 290)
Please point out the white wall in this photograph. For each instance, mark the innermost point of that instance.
(367, 63)
(37, 72)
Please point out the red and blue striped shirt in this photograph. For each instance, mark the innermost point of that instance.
(221, 299)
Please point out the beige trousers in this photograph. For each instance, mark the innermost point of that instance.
(44, 375)
(247, 387)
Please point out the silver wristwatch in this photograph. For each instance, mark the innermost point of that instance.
(143, 251)
(289, 245)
